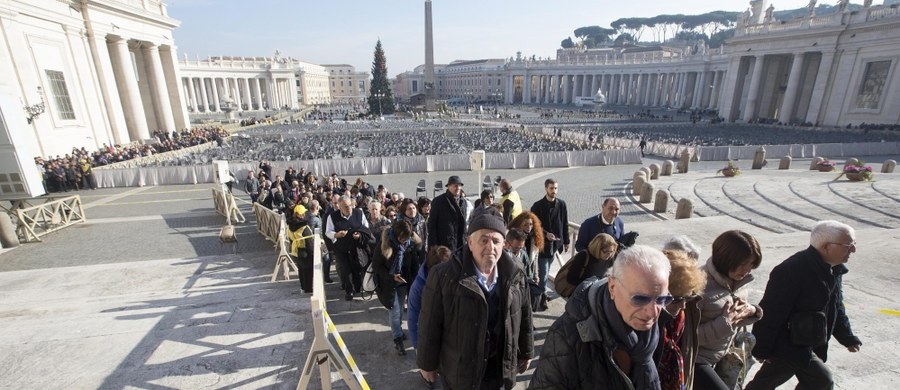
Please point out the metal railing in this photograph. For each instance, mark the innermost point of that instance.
(36, 220)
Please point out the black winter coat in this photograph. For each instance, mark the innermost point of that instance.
(803, 282)
(446, 223)
(554, 219)
(453, 322)
(577, 353)
(383, 260)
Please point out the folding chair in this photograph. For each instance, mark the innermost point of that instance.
(438, 188)
(420, 188)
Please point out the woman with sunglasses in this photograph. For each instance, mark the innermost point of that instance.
(678, 342)
(725, 306)
(591, 262)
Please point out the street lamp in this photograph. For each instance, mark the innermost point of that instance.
(379, 95)
(498, 96)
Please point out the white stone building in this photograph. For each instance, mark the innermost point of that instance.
(346, 84)
(238, 84)
(102, 71)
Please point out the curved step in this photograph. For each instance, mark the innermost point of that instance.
(813, 191)
(711, 191)
(742, 193)
(779, 194)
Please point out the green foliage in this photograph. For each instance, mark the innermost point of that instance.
(567, 43)
(380, 85)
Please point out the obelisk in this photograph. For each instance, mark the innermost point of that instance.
(429, 59)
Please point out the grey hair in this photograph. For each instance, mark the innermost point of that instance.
(345, 198)
(684, 244)
(642, 257)
(829, 231)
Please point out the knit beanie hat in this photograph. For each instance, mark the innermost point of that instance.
(488, 218)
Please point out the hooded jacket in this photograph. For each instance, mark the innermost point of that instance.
(385, 257)
(714, 331)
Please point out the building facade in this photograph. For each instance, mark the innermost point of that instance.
(347, 86)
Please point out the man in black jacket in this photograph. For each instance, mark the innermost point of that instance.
(807, 283)
(342, 228)
(554, 217)
(447, 221)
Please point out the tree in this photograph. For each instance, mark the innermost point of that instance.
(567, 43)
(383, 103)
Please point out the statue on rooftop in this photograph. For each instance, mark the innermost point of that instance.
(811, 8)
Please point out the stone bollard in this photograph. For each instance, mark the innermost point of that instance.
(661, 204)
(647, 172)
(813, 164)
(667, 167)
(8, 236)
(851, 161)
(685, 160)
(888, 166)
(759, 158)
(639, 173)
(684, 209)
(638, 184)
(785, 162)
(647, 192)
(654, 171)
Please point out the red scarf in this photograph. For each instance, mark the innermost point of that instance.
(671, 363)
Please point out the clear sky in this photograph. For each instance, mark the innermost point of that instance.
(345, 32)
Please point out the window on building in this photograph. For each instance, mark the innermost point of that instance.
(415, 86)
(874, 80)
(60, 94)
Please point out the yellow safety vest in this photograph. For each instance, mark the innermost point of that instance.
(517, 203)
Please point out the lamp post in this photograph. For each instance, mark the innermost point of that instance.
(379, 95)
(497, 96)
(468, 95)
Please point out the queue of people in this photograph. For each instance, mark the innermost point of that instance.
(636, 316)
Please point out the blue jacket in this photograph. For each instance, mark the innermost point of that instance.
(594, 226)
(414, 304)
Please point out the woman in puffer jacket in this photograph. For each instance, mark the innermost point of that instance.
(725, 306)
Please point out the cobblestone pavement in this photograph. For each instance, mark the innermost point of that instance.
(144, 295)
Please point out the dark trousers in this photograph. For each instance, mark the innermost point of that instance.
(304, 263)
(349, 271)
(811, 375)
(705, 378)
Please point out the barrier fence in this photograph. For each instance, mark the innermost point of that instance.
(33, 221)
(224, 203)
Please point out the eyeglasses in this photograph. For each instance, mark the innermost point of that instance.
(639, 300)
(851, 245)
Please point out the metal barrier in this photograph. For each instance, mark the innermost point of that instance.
(35, 220)
(271, 225)
(224, 201)
(322, 352)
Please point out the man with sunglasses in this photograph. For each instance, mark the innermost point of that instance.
(608, 333)
(805, 292)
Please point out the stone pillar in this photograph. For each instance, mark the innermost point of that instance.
(107, 79)
(682, 90)
(701, 90)
(714, 92)
(158, 88)
(786, 114)
(646, 193)
(661, 203)
(813, 165)
(557, 89)
(888, 166)
(595, 85)
(135, 118)
(785, 162)
(8, 236)
(168, 55)
(215, 94)
(685, 161)
(526, 89)
(667, 168)
(567, 94)
(684, 209)
(654, 91)
(236, 94)
(248, 100)
(759, 158)
(191, 94)
(664, 94)
(654, 171)
(638, 184)
(204, 96)
(818, 93)
(258, 89)
(648, 173)
(749, 112)
(585, 86)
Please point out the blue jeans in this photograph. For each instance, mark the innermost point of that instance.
(543, 270)
(396, 314)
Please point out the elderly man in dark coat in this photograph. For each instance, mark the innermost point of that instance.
(475, 327)
(447, 221)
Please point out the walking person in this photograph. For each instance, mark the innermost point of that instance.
(554, 217)
(804, 305)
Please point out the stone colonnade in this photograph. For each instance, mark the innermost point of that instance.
(694, 89)
(208, 94)
(141, 76)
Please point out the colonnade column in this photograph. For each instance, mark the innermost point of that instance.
(585, 87)
(595, 84)
(204, 96)
(701, 92)
(566, 92)
(557, 88)
(248, 100)
(786, 113)
(714, 93)
(654, 90)
(258, 89)
(215, 94)
(135, 118)
(191, 94)
(749, 111)
(682, 89)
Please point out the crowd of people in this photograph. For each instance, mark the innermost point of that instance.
(472, 275)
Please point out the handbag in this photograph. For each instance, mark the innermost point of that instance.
(560, 281)
(536, 293)
(808, 328)
(733, 367)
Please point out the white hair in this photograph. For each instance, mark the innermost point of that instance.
(642, 257)
(684, 244)
(829, 231)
